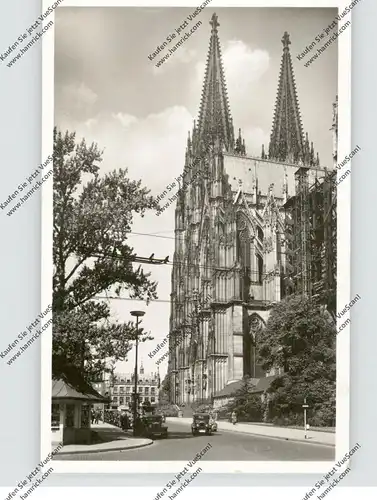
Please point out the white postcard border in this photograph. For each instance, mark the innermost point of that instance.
(343, 257)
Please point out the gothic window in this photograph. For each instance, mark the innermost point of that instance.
(204, 247)
(244, 255)
(187, 356)
(243, 241)
(260, 269)
(220, 240)
(256, 324)
(260, 233)
(181, 357)
(207, 261)
(278, 247)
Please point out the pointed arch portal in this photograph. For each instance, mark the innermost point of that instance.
(254, 325)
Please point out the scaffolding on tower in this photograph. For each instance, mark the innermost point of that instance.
(310, 238)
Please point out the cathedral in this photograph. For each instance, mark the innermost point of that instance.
(248, 232)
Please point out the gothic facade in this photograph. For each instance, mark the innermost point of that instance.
(231, 240)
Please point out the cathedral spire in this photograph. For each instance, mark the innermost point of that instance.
(215, 122)
(287, 137)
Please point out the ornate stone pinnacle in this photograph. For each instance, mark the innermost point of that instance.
(285, 40)
(214, 22)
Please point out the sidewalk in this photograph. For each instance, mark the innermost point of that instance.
(317, 437)
(110, 438)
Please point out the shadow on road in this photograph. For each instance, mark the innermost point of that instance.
(179, 435)
(105, 435)
(171, 435)
(186, 435)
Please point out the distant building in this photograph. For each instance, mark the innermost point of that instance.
(123, 387)
(103, 388)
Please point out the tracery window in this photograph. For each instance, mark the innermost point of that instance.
(243, 250)
(260, 269)
(243, 241)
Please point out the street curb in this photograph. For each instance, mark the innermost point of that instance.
(102, 450)
(295, 440)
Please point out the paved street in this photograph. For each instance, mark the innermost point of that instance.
(182, 445)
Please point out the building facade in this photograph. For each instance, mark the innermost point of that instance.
(232, 258)
(103, 388)
(123, 387)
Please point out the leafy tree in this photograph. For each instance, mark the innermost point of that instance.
(164, 393)
(92, 218)
(300, 338)
(246, 403)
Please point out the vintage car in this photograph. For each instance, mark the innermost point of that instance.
(161, 414)
(152, 426)
(202, 422)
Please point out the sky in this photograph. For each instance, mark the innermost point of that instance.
(108, 91)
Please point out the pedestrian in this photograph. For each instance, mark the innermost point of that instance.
(92, 415)
(234, 418)
(124, 421)
(96, 417)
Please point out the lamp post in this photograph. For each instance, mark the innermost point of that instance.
(195, 380)
(138, 315)
(305, 406)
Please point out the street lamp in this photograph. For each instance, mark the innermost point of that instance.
(138, 315)
(305, 406)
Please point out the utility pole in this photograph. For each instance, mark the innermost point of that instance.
(138, 315)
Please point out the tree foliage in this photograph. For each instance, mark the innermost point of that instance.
(166, 384)
(300, 338)
(93, 216)
(164, 392)
(246, 403)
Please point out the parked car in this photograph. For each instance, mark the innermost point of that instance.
(202, 422)
(161, 414)
(152, 426)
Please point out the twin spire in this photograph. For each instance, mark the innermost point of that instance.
(287, 141)
(215, 121)
(215, 124)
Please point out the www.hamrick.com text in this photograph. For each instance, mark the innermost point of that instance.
(185, 35)
(24, 334)
(29, 32)
(33, 477)
(23, 187)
